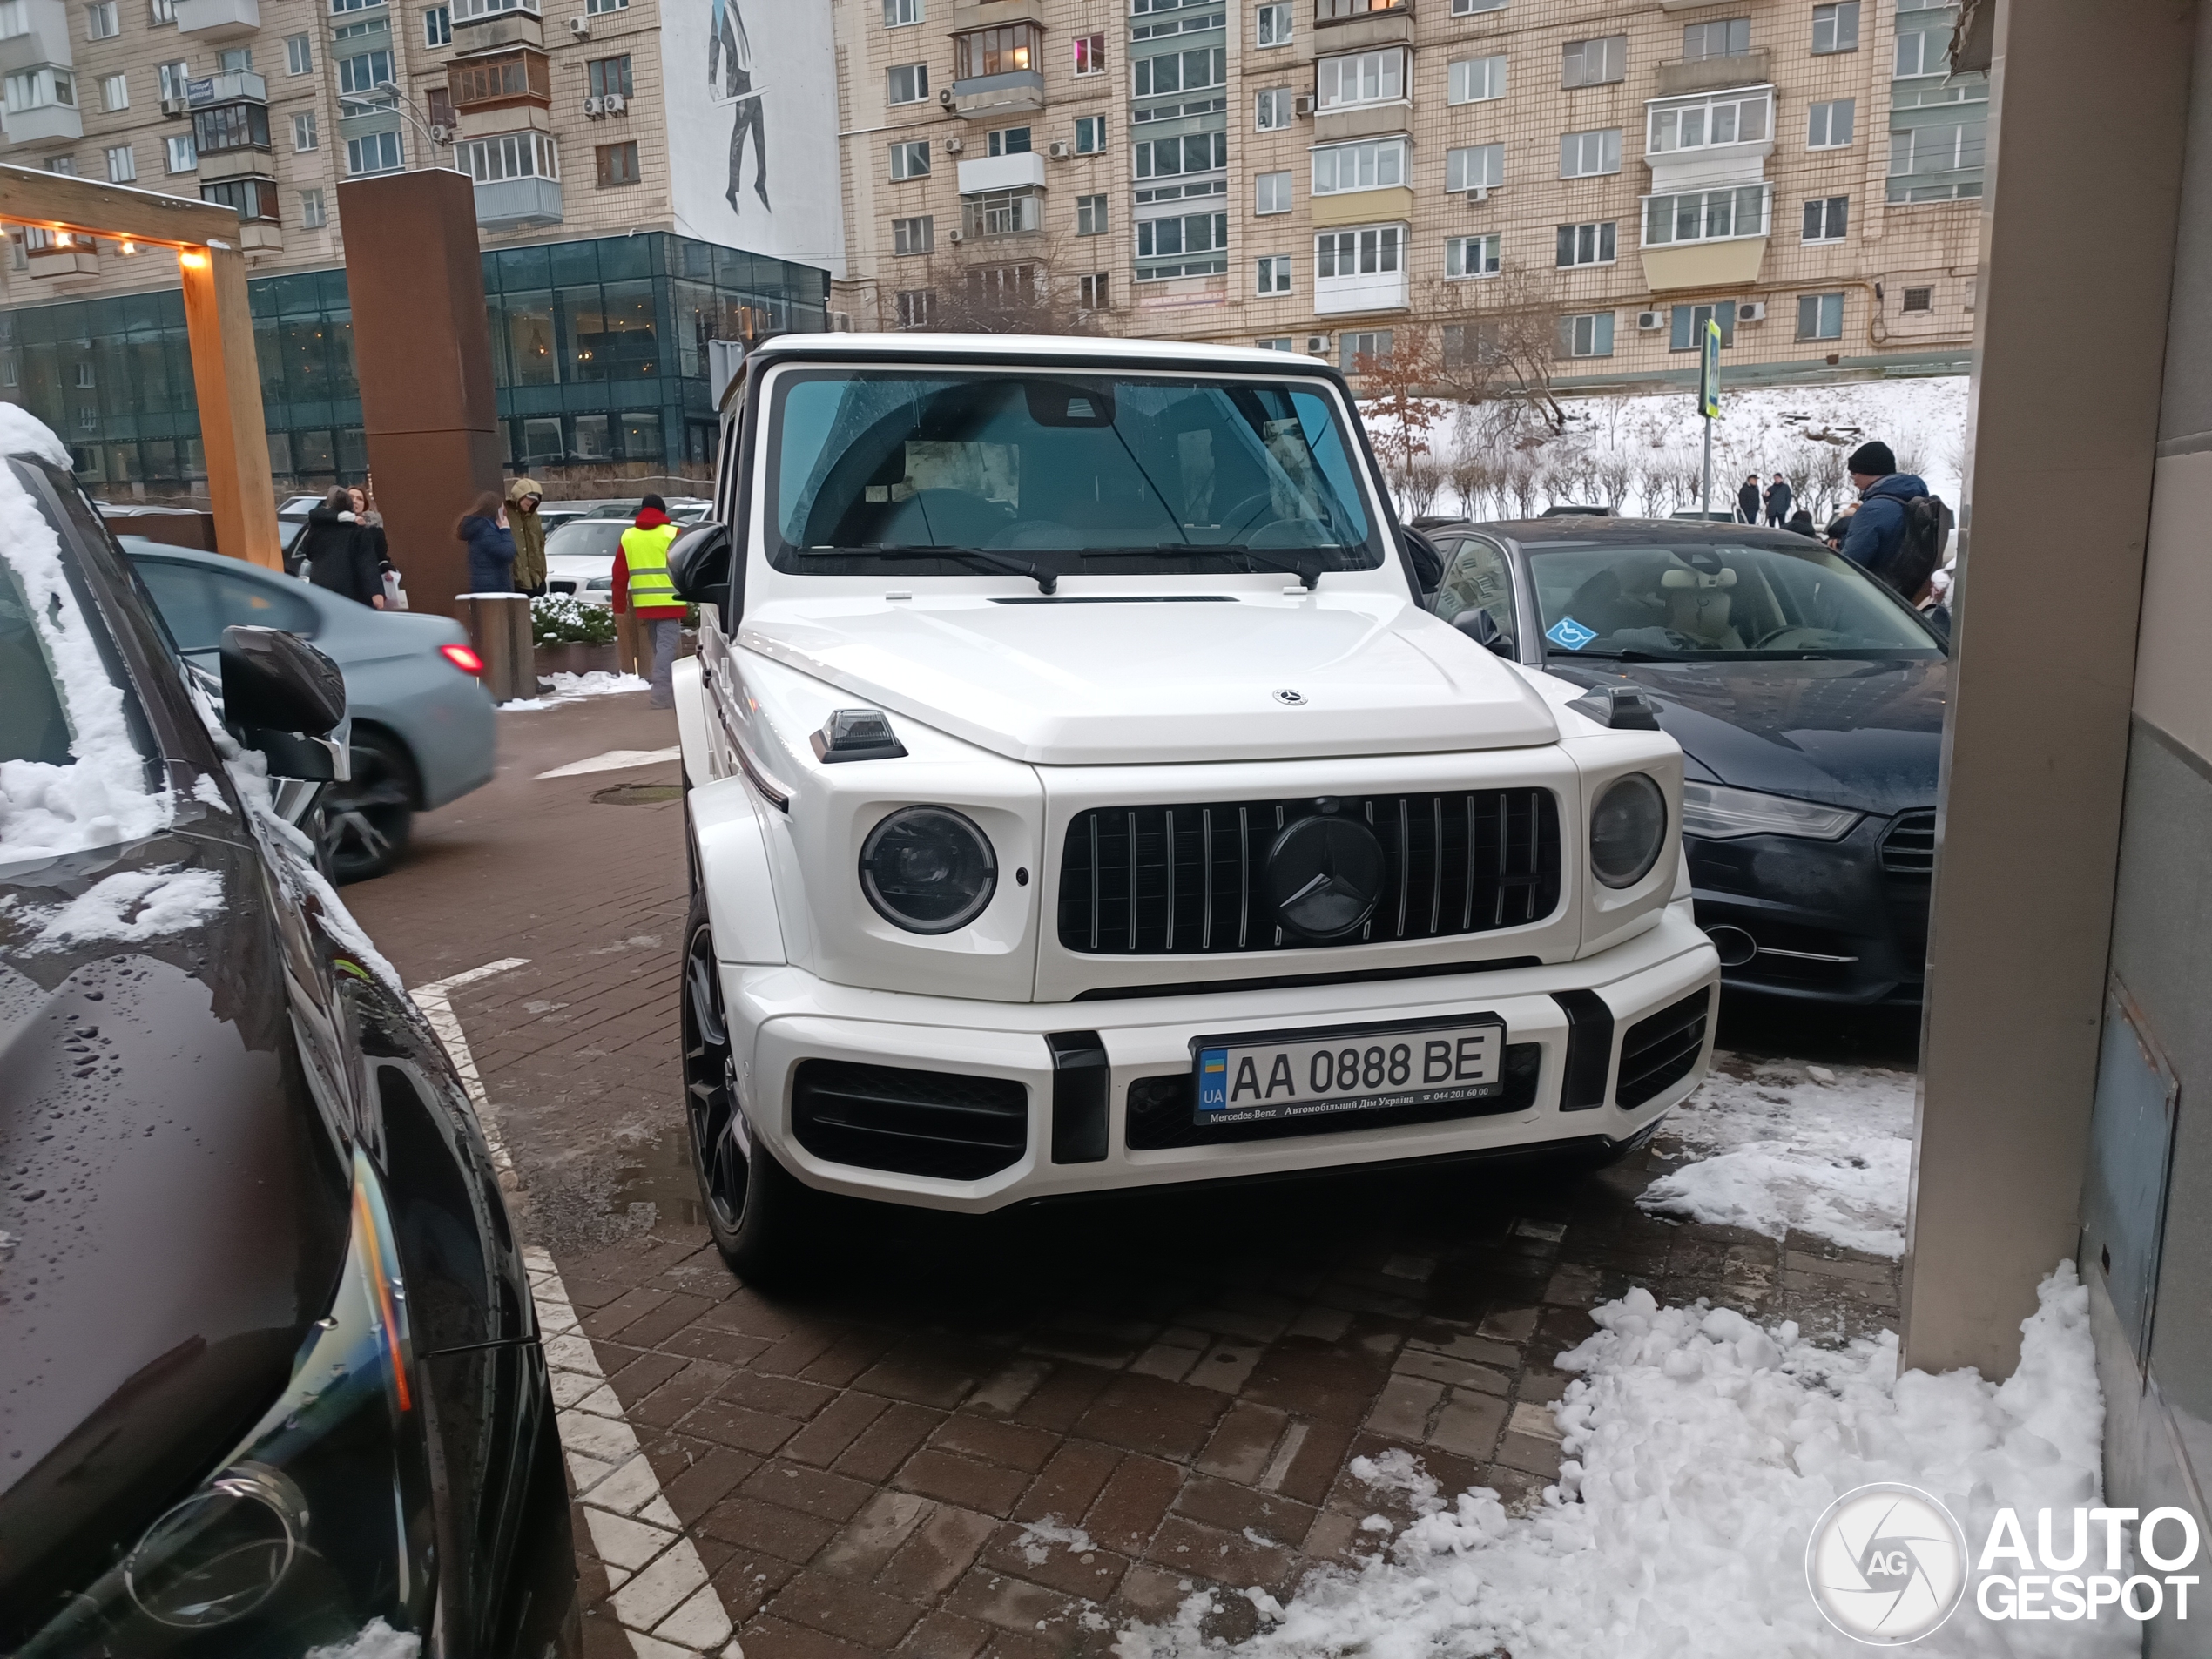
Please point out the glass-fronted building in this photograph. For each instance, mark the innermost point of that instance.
(598, 353)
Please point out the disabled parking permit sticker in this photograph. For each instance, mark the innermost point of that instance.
(1570, 633)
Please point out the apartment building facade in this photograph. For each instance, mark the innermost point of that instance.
(648, 174)
(1324, 176)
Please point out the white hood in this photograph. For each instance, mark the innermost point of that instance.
(1078, 683)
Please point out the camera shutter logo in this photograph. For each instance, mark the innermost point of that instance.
(1886, 1565)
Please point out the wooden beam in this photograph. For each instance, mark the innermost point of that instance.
(232, 435)
(33, 196)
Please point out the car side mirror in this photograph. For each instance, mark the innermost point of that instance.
(1482, 628)
(698, 566)
(1422, 553)
(285, 698)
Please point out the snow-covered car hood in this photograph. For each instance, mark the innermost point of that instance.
(1085, 681)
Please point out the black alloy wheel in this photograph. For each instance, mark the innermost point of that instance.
(367, 820)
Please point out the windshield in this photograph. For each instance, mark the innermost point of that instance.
(32, 724)
(591, 537)
(1103, 473)
(1722, 599)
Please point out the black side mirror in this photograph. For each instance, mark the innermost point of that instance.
(698, 566)
(1482, 628)
(1427, 562)
(278, 682)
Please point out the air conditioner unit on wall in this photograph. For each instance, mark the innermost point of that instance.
(615, 104)
(1648, 320)
(580, 27)
(1480, 194)
(1059, 149)
(956, 236)
(441, 133)
(1751, 311)
(1317, 345)
(1302, 104)
(594, 106)
(953, 147)
(945, 96)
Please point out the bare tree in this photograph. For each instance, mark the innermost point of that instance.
(1418, 489)
(1396, 401)
(1611, 472)
(1827, 480)
(1016, 285)
(1909, 456)
(1469, 473)
(1521, 482)
(1500, 340)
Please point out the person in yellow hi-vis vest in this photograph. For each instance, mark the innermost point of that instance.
(642, 584)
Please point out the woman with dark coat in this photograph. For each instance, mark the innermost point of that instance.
(491, 545)
(339, 556)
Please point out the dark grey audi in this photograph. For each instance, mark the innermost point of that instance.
(270, 1377)
(1808, 700)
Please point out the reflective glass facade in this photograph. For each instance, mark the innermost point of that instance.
(598, 353)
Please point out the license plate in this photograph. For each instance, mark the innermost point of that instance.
(1252, 1079)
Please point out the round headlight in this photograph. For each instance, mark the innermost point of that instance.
(1627, 830)
(929, 870)
(217, 1555)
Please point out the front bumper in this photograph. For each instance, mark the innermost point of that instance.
(1575, 1025)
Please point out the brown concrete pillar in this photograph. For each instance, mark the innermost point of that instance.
(499, 627)
(422, 353)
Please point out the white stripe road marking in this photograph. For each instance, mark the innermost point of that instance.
(663, 1598)
(613, 760)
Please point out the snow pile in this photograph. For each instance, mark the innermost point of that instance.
(101, 796)
(568, 688)
(1701, 1449)
(129, 906)
(1825, 1151)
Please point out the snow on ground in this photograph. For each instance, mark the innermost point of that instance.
(1777, 1145)
(1700, 1450)
(568, 688)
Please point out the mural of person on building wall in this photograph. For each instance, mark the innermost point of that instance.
(729, 52)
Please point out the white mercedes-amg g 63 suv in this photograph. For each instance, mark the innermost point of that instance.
(1082, 795)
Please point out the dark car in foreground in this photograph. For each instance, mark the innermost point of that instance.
(270, 1376)
(1809, 703)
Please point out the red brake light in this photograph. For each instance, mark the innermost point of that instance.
(462, 659)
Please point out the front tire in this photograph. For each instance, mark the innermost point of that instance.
(367, 820)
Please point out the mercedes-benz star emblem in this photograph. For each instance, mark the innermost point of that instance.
(1292, 697)
(1325, 874)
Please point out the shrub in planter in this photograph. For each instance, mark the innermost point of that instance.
(563, 619)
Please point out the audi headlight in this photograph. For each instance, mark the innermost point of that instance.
(319, 1526)
(1627, 830)
(1716, 813)
(929, 870)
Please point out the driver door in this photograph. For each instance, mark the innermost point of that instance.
(1478, 576)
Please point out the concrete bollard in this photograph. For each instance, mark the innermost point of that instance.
(499, 627)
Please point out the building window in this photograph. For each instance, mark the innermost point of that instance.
(1835, 28)
(304, 135)
(1368, 253)
(1000, 213)
(1094, 291)
(1090, 54)
(1920, 299)
(1588, 335)
(1825, 219)
(1274, 342)
(375, 153)
(438, 103)
(1472, 256)
(250, 198)
(1364, 351)
(101, 22)
(1271, 110)
(483, 80)
(610, 76)
(899, 14)
(908, 83)
(1373, 163)
(364, 73)
(36, 89)
(1468, 7)
(437, 26)
(1469, 344)
(311, 210)
(615, 164)
(1925, 162)
(1190, 234)
(66, 166)
(1688, 325)
(1090, 215)
(1474, 79)
(1180, 72)
(1828, 126)
(236, 57)
(1820, 316)
(1002, 288)
(298, 55)
(910, 160)
(1584, 245)
(1007, 49)
(181, 156)
(122, 165)
(1009, 141)
(1195, 153)
(1594, 63)
(115, 92)
(1729, 38)
(514, 155)
(1732, 119)
(1362, 77)
(1090, 134)
(1272, 193)
(595, 7)
(914, 235)
(1275, 24)
(917, 307)
(1481, 166)
(1924, 51)
(161, 12)
(1274, 275)
(172, 78)
(1705, 216)
(1584, 155)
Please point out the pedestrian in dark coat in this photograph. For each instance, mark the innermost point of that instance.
(1778, 497)
(1801, 524)
(1747, 500)
(1878, 527)
(492, 547)
(337, 555)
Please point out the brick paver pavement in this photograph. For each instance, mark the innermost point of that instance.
(1007, 1436)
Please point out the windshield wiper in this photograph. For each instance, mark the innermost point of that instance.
(1307, 570)
(1630, 656)
(1047, 581)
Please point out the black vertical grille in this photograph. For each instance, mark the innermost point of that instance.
(1908, 848)
(1190, 880)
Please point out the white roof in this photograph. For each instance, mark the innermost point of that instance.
(1075, 348)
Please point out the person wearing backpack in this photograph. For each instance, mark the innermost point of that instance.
(1898, 531)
